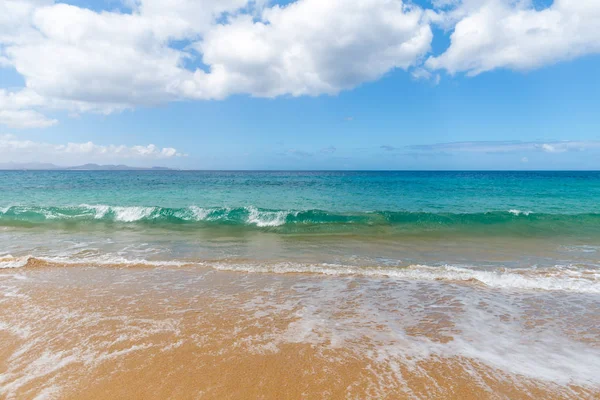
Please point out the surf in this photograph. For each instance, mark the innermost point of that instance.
(490, 222)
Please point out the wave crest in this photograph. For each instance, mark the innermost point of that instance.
(514, 220)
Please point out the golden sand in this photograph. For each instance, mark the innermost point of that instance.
(74, 333)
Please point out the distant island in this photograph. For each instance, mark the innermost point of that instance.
(85, 167)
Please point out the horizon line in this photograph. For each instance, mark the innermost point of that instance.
(168, 169)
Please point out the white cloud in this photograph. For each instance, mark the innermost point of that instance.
(492, 34)
(424, 74)
(311, 47)
(561, 147)
(186, 18)
(508, 146)
(549, 148)
(13, 149)
(328, 150)
(25, 119)
(82, 60)
(15, 19)
(85, 60)
(16, 112)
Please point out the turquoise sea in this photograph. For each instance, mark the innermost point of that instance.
(352, 221)
(414, 202)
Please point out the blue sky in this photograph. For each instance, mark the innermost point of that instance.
(505, 103)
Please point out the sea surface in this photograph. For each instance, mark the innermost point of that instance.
(431, 284)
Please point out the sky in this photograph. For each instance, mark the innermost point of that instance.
(304, 84)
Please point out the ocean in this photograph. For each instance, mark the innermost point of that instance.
(429, 284)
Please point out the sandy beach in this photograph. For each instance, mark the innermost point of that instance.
(195, 333)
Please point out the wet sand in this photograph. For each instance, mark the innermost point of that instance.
(191, 333)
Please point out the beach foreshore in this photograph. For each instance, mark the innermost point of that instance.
(193, 332)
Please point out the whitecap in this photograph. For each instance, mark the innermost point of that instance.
(200, 214)
(519, 212)
(266, 218)
(132, 214)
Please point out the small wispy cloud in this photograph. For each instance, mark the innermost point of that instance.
(328, 150)
(425, 75)
(15, 149)
(509, 146)
(387, 147)
(298, 153)
(16, 110)
(25, 119)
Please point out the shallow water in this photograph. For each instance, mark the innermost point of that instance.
(183, 332)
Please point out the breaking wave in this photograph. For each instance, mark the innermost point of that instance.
(567, 278)
(514, 220)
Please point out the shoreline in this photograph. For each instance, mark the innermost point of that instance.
(575, 278)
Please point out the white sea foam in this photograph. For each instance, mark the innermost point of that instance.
(9, 261)
(132, 214)
(372, 321)
(112, 259)
(103, 259)
(122, 214)
(48, 393)
(260, 218)
(46, 364)
(557, 279)
(568, 278)
(519, 212)
(582, 249)
(266, 218)
(99, 210)
(21, 332)
(200, 214)
(527, 336)
(41, 358)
